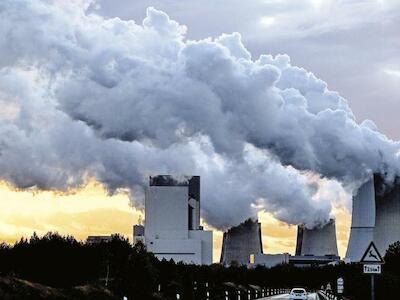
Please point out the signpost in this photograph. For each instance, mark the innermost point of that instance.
(372, 269)
(372, 261)
(340, 287)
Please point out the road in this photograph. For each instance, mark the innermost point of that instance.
(286, 297)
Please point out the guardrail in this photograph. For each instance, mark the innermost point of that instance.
(266, 292)
(329, 295)
(238, 294)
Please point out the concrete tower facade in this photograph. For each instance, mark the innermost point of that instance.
(241, 242)
(172, 220)
(387, 221)
(319, 241)
(362, 222)
(375, 217)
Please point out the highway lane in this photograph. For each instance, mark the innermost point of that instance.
(286, 297)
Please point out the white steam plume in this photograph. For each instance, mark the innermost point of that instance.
(83, 96)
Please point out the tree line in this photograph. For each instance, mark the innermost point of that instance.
(129, 270)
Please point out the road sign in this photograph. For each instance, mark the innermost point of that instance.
(372, 255)
(372, 261)
(340, 285)
(372, 269)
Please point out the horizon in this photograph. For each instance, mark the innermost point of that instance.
(90, 211)
(69, 165)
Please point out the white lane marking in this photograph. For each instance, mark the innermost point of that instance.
(286, 296)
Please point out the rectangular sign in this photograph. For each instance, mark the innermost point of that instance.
(372, 269)
(340, 285)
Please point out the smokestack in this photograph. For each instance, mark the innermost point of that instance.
(319, 241)
(362, 222)
(240, 242)
(299, 243)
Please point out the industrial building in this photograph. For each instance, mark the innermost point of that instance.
(269, 260)
(318, 241)
(138, 233)
(172, 221)
(312, 260)
(98, 239)
(316, 246)
(241, 242)
(272, 260)
(375, 217)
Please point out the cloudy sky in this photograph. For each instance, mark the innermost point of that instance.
(353, 46)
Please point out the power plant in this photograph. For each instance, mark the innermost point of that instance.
(241, 242)
(375, 217)
(172, 221)
(317, 246)
(319, 241)
(242, 245)
(172, 227)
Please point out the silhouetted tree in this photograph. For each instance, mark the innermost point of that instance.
(61, 261)
(392, 257)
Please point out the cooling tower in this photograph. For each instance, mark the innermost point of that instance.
(362, 222)
(240, 242)
(319, 241)
(375, 217)
(387, 222)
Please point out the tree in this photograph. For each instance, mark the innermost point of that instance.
(392, 258)
(142, 273)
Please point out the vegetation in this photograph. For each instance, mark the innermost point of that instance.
(62, 263)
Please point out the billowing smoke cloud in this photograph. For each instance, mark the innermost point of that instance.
(87, 97)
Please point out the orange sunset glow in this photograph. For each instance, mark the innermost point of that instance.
(91, 211)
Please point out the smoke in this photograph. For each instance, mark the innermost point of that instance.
(87, 97)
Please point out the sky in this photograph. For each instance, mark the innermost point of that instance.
(351, 45)
(90, 211)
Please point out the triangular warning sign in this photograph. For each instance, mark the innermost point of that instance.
(372, 255)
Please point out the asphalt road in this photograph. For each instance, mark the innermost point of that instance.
(286, 297)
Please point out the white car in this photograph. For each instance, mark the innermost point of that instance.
(298, 294)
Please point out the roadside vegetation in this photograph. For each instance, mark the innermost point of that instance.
(55, 266)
